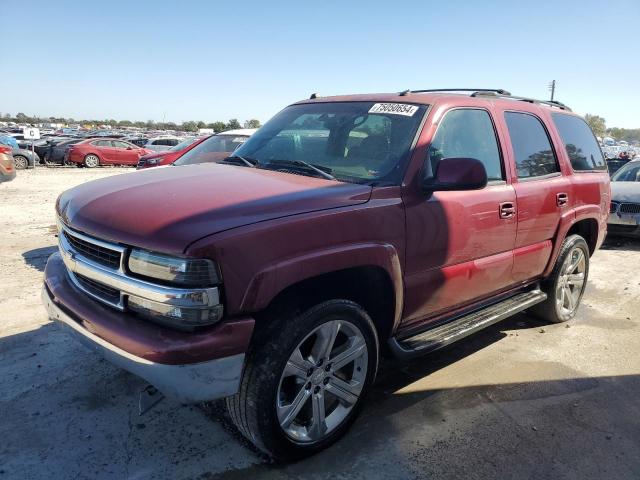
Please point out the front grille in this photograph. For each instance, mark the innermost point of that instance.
(97, 253)
(99, 289)
(630, 208)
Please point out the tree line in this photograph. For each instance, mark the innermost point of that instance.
(189, 126)
(599, 127)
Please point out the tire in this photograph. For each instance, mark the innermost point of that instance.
(563, 288)
(21, 162)
(275, 426)
(91, 161)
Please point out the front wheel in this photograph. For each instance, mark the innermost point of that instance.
(305, 380)
(91, 161)
(565, 286)
(20, 162)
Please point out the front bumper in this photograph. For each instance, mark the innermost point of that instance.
(190, 367)
(7, 177)
(624, 224)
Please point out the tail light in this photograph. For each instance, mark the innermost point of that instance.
(5, 149)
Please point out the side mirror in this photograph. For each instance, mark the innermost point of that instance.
(457, 174)
(129, 148)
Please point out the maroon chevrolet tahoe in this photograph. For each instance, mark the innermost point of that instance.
(344, 227)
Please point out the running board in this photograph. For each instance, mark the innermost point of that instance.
(445, 334)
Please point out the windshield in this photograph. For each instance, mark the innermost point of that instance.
(215, 148)
(183, 144)
(629, 173)
(361, 142)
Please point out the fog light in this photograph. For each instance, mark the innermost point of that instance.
(173, 316)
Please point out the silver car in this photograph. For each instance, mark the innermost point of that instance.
(624, 217)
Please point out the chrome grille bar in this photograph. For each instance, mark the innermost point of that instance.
(100, 280)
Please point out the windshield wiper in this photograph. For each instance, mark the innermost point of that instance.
(300, 163)
(245, 161)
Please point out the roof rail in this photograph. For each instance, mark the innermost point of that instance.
(552, 103)
(494, 90)
(491, 92)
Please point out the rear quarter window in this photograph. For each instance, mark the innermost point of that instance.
(579, 142)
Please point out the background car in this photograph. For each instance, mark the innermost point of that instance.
(7, 167)
(104, 151)
(139, 141)
(24, 158)
(216, 147)
(56, 150)
(159, 144)
(169, 156)
(41, 146)
(624, 214)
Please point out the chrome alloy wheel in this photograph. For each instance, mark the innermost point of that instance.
(571, 282)
(91, 161)
(322, 381)
(20, 162)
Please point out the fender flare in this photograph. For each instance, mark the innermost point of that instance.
(278, 276)
(568, 220)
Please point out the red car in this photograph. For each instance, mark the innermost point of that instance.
(7, 167)
(105, 151)
(346, 226)
(156, 159)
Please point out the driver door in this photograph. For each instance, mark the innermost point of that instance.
(126, 153)
(459, 243)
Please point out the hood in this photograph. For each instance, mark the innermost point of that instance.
(625, 192)
(166, 209)
(151, 154)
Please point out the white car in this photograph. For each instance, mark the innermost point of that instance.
(160, 144)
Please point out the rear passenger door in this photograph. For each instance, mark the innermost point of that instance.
(542, 192)
(105, 150)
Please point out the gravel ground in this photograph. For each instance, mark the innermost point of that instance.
(520, 400)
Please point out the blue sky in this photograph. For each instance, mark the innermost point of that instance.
(210, 61)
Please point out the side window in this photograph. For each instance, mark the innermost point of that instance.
(580, 143)
(102, 143)
(173, 142)
(119, 144)
(531, 146)
(467, 133)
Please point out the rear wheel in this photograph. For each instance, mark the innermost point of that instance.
(91, 161)
(20, 162)
(565, 286)
(305, 380)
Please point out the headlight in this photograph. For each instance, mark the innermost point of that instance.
(154, 161)
(179, 271)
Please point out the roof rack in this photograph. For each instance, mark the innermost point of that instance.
(552, 103)
(492, 92)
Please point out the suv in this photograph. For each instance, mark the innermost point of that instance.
(344, 226)
(161, 144)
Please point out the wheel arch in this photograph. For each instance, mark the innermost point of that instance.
(584, 222)
(369, 275)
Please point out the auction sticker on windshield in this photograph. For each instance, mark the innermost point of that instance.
(394, 108)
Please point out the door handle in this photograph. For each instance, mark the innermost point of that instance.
(562, 199)
(507, 210)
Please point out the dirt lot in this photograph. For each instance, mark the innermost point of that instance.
(520, 400)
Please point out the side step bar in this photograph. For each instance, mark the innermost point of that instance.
(445, 334)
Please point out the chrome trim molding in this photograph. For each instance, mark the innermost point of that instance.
(189, 383)
(76, 263)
